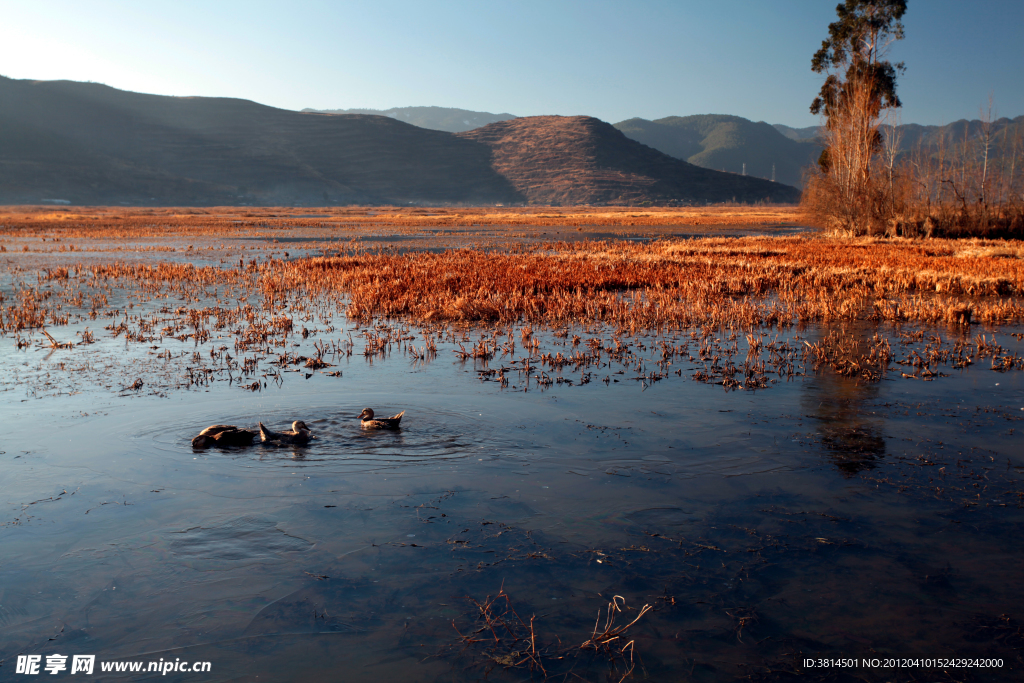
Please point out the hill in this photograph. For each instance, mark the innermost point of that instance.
(582, 160)
(91, 144)
(436, 118)
(932, 138)
(799, 134)
(726, 143)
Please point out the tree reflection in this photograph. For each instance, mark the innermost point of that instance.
(851, 436)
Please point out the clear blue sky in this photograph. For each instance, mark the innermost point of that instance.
(613, 60)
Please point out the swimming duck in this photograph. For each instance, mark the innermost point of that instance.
(299, 434)
(223, 435)
(369, 422)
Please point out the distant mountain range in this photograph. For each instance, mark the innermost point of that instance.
(800, 134)
(912, 134)
(436, 118)
(727, 143)
(92, 144)
(88, 143)
(719, 142)
(930, 138)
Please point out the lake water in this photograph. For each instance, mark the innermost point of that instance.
(820, 517)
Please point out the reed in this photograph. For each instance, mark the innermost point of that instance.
(510, 641)
(719, 292)
(682, 283)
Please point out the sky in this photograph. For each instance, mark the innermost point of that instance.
(612, 60)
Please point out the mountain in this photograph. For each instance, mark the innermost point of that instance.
(91, 144)
(583, 160)
(800, 134)
(726, 143)
(436, 118)
(931, 138)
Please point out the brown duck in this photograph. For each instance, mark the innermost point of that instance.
(371, 422)
(223, 436)
(299, 434)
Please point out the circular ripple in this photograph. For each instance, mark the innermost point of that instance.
(428, 435)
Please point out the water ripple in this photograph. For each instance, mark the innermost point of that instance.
(428, 435)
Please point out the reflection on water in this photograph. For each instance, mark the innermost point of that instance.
(851, 432)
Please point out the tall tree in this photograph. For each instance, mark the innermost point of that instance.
(860, 84)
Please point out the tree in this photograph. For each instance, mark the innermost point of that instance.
(860, 84)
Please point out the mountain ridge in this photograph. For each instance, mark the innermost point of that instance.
(728, 143)
(88, 143)
(106, 145)
(449, 119)
(583, 160)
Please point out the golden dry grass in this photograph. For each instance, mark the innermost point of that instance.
(732, 288)
(701, 284)
(683, 283)
(116, 222)
(745, 281)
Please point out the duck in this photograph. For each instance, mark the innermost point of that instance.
(298, 434)
(370, 422)
(223, 436)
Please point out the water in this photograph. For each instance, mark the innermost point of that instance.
(820, 517)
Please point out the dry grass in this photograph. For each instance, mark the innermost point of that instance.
(748, 281)
(508, 640)
(684, 283)
(115, 222)
(713, 290)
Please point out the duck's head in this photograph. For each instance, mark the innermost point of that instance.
(367, 414)
(299, 426)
